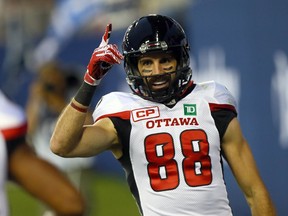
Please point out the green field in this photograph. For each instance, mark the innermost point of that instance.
(109, 196)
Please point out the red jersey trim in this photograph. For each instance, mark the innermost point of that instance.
(12, 133)
(125, 115)
(188, 86)
(216, 107)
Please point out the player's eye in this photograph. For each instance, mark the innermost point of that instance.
(165, 60)
(146, 62)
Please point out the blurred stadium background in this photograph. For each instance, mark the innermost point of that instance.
(242, 44)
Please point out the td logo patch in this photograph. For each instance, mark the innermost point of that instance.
(190, 109)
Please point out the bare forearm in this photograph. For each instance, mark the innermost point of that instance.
(67, 137)
(261, 204)
(68, 130)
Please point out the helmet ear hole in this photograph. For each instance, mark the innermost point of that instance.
(156, 34)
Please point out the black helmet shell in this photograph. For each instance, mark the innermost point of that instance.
(156, 33)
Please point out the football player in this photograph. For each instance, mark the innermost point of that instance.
(20, 164)
(170, 134)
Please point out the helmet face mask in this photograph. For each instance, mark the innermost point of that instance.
(143, 86)
(156, 34)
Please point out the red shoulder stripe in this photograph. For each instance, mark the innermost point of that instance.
(216, 107)
(12, 133)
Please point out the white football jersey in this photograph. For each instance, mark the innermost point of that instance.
(12, 124)
(172, 155)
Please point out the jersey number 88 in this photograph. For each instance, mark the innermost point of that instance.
(163, 168)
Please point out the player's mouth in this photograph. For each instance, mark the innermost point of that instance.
(160, 84)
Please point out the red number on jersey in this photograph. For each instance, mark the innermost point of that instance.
(163, 169)
(197, 163)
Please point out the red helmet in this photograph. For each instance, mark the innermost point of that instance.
(150, 34)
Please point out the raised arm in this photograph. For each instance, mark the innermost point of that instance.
(72, 136)
(240, 159)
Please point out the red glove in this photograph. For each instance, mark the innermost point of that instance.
(102, 59)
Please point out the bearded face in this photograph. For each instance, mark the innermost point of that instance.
(157, 70)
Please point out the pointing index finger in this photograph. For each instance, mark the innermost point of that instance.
(106, 35)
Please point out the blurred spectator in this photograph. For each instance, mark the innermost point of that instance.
(48, 95)
(20, 164)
